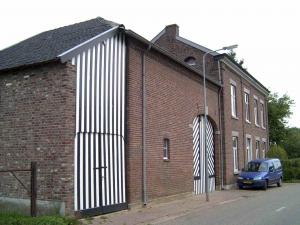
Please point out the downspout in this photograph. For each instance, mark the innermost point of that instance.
(243, 123)
(144, 155)
(220, 110)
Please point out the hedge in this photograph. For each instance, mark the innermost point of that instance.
(291, 169)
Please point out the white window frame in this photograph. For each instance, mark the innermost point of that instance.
(257, 148)
(248, 148)
(233, 100)
(166, 149)
(247, 106)
(256, 114)
(235, 155)
(262, 114)
(263, 149)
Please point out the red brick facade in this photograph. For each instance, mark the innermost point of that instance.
(174, 98)
(37, 120)
(37, 111)
(170, 40)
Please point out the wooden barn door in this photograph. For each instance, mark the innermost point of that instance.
(99, 182)
(199, 155)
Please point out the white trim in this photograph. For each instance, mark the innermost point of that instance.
(247, 91)
(263, 139)
(235, 134)
(255, 97)
(87, 41)
(261, 101)
(232, 82)
(257, 138)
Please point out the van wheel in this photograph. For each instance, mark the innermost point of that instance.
(265, 185)
(279, 183)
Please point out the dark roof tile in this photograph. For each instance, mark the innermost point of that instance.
(48, 45)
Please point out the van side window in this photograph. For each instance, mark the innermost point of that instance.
(277, 164)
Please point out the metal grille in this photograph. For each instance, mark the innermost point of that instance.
(100, 121)
(199, 155)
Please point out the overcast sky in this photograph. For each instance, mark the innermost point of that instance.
(267, 32)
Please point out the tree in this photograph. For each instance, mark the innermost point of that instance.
(277, 152)
(292, 142)
(232, 55)
(279, 110)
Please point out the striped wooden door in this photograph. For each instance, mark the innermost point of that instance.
(99, 180)
(199, 155)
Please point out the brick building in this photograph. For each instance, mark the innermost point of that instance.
(243, 105)
(113, 119)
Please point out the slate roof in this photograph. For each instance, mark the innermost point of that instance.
(48, 45)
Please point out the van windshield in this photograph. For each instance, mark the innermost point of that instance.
(257, 167)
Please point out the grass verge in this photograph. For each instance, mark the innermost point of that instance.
(16, 219)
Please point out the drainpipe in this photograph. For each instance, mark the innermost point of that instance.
(220, 110)
(144, 155)
(243, 123)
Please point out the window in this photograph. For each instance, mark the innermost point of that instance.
(233, 101)
(262, 115)
(190, 60)
(248, 150)
(256, 119)
(235, 155)
(257, 149)
(247, 107)
(166, 149)
(263, 150)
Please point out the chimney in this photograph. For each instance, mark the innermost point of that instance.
(172, 30)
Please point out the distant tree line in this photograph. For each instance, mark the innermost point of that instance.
(285, 137)
(284, 140)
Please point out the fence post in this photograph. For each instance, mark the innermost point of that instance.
(33, 191)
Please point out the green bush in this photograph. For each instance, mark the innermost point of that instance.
(291, 169)
(277, 151)
(15, 219)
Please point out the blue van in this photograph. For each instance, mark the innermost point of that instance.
(261, 173)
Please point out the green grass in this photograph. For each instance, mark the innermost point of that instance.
(15, 219)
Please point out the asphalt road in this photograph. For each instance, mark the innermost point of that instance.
(276, 206)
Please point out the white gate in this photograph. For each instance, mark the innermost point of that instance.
(199, 155)
(99, 180)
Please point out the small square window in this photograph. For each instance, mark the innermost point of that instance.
(166, 149)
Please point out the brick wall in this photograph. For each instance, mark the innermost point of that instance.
(37, 116)
(169, 41)
(174, 99)
(239, 125)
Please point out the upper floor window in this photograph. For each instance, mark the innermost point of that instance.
(247, 107)
(256, 118)
(233, 100)
(166, 149)
(262, 114)
(235, 155)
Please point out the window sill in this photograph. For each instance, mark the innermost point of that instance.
(234, 117)
(236, 173)
(166, 160)
(263, 127)
(247, 121)
(257, 125)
